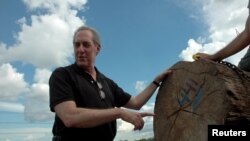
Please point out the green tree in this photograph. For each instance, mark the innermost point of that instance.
(149, 139)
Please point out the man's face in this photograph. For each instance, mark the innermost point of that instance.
(85, 49)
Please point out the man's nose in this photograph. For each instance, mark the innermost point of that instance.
(81, 48)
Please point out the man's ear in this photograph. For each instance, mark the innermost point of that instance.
(98, 49)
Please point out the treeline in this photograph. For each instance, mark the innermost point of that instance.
(149, 139)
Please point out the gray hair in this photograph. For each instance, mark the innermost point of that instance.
(96, 37)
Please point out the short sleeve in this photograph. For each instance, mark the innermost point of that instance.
(121, 97)
(60, 87)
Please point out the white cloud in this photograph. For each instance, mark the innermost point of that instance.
(124, 126)
(127, 127)
(12, 83)
(42, 75)
(13, 86)
(194, 47)
(148, 107)
(47, 40)
(3, 50)
(11, 107)
(56, 6)
(26, 134)
(125, 130)
(224, 19)
(140, 85)
(37, 102)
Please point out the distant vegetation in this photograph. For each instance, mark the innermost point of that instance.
(149, 139)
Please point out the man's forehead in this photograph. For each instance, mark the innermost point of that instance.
(84, 35)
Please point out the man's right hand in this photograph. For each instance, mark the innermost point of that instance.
(134, 118)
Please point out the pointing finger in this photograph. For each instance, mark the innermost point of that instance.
(144, 114)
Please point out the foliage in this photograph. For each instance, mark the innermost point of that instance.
(149, 139)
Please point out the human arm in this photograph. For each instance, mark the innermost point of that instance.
(136, 102)
(73, 116)
(236, 45)
(62, 102)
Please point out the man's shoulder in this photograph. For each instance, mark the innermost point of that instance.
(68, 67)
(106, 78)
(64, 72)
(103, 76)
(63, 69)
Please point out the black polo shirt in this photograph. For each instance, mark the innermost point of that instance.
(73, 83)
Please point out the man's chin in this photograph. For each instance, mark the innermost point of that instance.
(81, 64)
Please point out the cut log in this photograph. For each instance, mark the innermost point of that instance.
(198, 94)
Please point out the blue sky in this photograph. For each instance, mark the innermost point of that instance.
(140, 38)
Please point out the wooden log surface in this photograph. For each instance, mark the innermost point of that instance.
(199, 94)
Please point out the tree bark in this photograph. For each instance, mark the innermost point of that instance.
(199, 94)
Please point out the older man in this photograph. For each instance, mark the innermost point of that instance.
(86, 102)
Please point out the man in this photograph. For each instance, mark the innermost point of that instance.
(86, 102)
(239, 43)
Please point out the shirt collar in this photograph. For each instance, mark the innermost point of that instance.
(81, 71)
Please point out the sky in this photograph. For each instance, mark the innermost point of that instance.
(140, 39)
